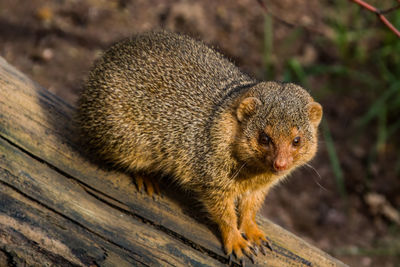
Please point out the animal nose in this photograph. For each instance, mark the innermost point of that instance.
(280, 164)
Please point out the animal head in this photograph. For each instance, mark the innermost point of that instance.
(277, 127)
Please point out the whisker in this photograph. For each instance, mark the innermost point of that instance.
(238, 171)
(311, 167)
(323, 188)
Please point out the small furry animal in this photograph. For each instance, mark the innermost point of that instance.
(163, 102)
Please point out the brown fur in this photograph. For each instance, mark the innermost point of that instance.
(162, 102)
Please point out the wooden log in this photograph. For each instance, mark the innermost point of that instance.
(59, 208)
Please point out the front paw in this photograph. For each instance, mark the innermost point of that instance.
(235, 243)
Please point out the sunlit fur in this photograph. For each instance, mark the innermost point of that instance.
(162, 102)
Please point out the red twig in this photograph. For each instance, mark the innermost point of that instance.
(262, 4)
(380, 15)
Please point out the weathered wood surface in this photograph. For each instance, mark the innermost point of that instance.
(56, 207)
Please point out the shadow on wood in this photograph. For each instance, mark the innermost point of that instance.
(58, 208)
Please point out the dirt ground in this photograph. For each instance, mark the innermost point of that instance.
(55, 43)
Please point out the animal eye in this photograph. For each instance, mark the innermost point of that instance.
(296, 141)
(264, 139)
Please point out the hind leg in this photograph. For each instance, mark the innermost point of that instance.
(150, 184)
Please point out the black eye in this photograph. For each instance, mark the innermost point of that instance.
(296, 141)
(264, 139)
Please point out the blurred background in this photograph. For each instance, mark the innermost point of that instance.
(347, 203)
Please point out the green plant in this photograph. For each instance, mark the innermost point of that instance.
(362, 59)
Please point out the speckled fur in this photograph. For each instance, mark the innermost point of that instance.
(167, 103)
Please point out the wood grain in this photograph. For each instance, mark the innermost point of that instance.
(93, 215)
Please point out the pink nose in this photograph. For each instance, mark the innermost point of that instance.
(280, 164)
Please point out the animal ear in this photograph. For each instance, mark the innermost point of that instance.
(315, 113)
(247, 107)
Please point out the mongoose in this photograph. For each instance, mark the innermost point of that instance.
(163, 102)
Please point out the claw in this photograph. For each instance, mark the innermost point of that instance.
(263, 250)
(244, 236)
(157, 188)
(268, 245)
(254, 250)
(230, 258)
(251, 257)
(247, 253)
(139, 183)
